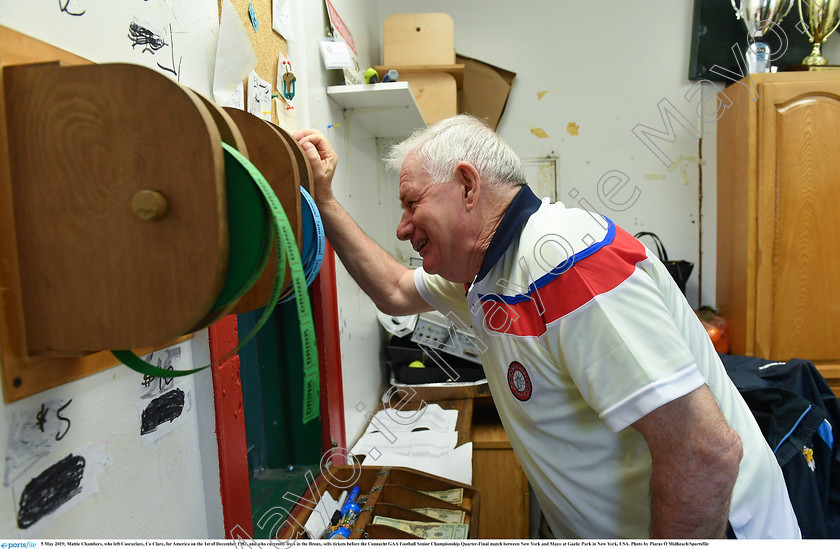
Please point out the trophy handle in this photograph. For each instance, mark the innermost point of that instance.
(802, 20)
(736, 8)
(834, 28)
(787, 11)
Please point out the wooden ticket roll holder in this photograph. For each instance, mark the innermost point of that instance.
(113, 205)
(384, 491)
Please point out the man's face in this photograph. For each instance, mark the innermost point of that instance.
(434, 221)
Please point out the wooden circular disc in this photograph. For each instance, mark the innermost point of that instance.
(305, 171)
(230, 134)
(86, 139)
(293, 195)
(227, 127)
(272, 156)
(300, 157)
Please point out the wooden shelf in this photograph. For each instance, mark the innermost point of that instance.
(386, 109)
(456, 70)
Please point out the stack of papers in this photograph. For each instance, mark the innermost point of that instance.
(422, 439)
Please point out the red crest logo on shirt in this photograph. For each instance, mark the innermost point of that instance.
(519, 381)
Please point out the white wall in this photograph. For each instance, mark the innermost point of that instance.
(603, 65)
(164, 484)
(355, 187)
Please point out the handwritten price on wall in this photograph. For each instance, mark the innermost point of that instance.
(43, 415)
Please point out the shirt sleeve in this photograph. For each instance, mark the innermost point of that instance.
(443, 295)
(625, 353)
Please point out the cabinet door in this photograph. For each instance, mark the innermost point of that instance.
(504, 494)
(798, 295)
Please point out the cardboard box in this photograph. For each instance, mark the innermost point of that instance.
(485, 91)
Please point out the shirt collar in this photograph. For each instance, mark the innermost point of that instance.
(524, 204)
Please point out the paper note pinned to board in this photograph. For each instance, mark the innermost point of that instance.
(286, 115)
(235, 56)
(281, 19)
(259, 96)
(237, 100)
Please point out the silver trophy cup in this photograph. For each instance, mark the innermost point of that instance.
(759, 17)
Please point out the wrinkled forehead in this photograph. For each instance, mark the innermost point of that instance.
(412, 177)
(410, 165)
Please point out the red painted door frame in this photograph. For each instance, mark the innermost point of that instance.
(234, 482)
(234, 477)
(325, 309)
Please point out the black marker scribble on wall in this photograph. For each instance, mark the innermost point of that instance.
(141, 36)
(152, 43)
(42, 418)
(63, 5)
(50, 490)
(173, 70)
(166, 407)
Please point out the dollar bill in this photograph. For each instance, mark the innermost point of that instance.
(425, 530)
(454, 495)
(451, 516)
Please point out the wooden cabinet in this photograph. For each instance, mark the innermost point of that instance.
(778, 266)
(496, 474)
(499, 478)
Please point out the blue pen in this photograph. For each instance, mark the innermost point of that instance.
(354, 493)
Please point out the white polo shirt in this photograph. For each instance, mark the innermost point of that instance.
(583, 332)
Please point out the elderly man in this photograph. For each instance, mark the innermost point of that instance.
(615, 401)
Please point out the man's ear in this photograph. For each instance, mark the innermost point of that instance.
(467, 176)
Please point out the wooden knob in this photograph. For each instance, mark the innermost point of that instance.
(149, 205)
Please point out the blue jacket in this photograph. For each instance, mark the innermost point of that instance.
(800, 417)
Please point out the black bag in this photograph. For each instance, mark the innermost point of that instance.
(680, 269)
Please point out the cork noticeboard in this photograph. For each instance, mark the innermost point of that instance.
(268, 45)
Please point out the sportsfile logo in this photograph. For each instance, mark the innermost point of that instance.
(18, 544)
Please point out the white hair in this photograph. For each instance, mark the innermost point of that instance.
(439, 148)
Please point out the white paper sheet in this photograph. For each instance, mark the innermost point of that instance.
(423, 440)
(423, 443)
(286, 115)
(259, 96)
(455, 465)
(237, 100)
(336, 53)
(281, 19)
(320, 517)
(431, 417)
(235, 56)
(62, 485)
